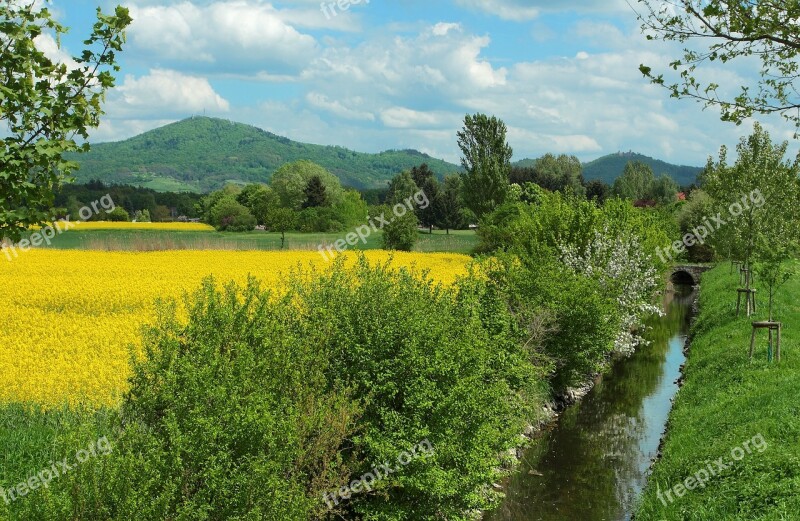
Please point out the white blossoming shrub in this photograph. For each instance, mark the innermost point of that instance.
(623, 270)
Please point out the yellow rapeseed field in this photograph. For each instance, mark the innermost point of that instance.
(108, 225)
(68, 317)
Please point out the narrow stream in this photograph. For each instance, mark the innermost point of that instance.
(592, 464)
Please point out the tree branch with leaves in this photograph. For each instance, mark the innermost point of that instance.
(723, 31)
(46, 105)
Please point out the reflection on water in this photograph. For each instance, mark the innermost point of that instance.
(592, 465)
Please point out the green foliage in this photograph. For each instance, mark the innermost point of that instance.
(730, 32)
(262, 403)
(352, 210)
(638, 183)
(44, 105)
(401, 188)
(450, 207)
(425, 179)
(586, 273)
(635, 182)
(118, 215)
(291, 181)
(760, 196)
(322, 220)
(444, 365)
(663, 190)
(203, 154)
(697, 209)
(597, 191)
(142, 216)
(401, 233)
(229, 417)
(569, 320)
(281, 220)
(207, 203)
(316, 195)
(554, 173)
(486, 161)
(259, 199)
(227, 215)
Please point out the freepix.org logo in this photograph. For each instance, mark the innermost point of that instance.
(47, 233)
(710, 225)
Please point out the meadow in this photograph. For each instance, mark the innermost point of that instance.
(69, 317)
(187, 236)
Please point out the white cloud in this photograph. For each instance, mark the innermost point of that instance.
(401, 117)
(518, 10)
(525, 10)
(236, 36)
(434, 62)
(166, 92)
(338, 108)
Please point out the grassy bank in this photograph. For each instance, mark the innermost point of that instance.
(149, 240)
(734, 412)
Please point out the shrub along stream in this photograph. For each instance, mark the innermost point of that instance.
(263, 402)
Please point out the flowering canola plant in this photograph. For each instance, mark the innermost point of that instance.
(174, 226)
(68, 318)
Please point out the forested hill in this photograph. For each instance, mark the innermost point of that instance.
(608, 168)
(202, 154)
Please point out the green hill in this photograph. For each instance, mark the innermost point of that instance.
(202, 154)
(608, 168)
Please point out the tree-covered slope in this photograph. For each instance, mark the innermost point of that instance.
(202, 154)
(608, 168)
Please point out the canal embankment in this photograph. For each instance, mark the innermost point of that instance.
(592, 462)
(732, 448)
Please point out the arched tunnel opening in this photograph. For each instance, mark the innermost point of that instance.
(683, 277)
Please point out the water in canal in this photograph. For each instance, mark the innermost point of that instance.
(592, 464)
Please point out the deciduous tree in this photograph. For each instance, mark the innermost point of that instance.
(45, 105)
(759, 200)
(450, 212)
(486, 161)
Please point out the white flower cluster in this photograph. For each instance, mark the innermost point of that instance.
(623, 270)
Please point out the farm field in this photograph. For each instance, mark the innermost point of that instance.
(69, 317)
(181, 236)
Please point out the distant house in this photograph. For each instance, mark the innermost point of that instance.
(644, 203)
(681, 196)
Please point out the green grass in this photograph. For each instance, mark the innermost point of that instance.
(728, 400)
(149, 240)
(32, 439)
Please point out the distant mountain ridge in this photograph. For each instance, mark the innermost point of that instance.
(608, 168)
(200, 154)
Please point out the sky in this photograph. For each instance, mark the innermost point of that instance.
(563, 75)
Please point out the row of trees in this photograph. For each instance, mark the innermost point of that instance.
(758, 200)
(135, 201)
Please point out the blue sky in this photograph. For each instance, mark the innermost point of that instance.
(403, 74)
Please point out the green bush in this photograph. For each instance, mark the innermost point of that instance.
(319, 220)
(228, 215)
(446, 365)
(263, 403)
(228, 417)
(573, 323)
(401, 233)
(118, 214)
